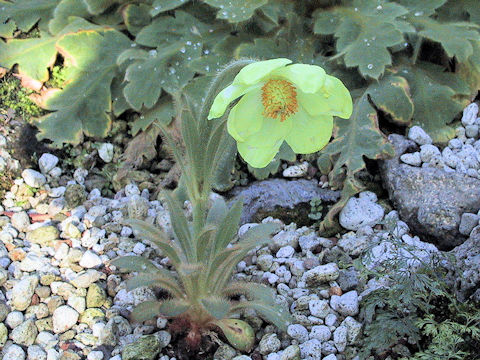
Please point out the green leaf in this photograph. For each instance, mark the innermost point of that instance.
(251, 290)
(7, 28)
(216, 306)
(364, 32)
(275, 314)
(174, 307)
(163, 112)
(238, 333)
(422, 8)
(63, 12)
(160, 6)
(146, 310)
(432, 88)
(145, 75)
(156, 237)
(83, 105)
(164, 280)
(356, 138)
(392, 95)
(96, 7)
(235, 12)
(227, 230)
(217, 212)
(34, 56)
(26, 13)
(136, 17)
(134, 263)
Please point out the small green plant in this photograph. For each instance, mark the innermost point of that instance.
(14, 96)
(316, 211)
(415, 310)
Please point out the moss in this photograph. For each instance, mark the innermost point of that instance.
(57, 77)
(14, 96)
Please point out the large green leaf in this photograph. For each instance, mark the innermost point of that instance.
(26, 13)
(364, 31)
(251, 290)
(83, 106)
(275, 314)
(162, 111)
(63, 12)
(216, 306)
(422, 8)
(136, 17)
(235, 12)
(163, 280)
(238, 333)
(432, 88)
(146, 310)
(160, 6)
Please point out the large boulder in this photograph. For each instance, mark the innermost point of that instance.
(430, 200)
(282, 199)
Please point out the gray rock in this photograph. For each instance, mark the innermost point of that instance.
(347, 279)
(320, 332)
(471, 131)
(288, 201)
(467, 223)
(346, 304)
(311, 350)
(90, 260)
(43, 236)
(417, 134)
(47, 162)
(298, 332)
(20, 220)
(75, 195)
(353, 329)
(105, 152)
(428, 152)
(13, 352)
(14, 319)
(296, 170)
(137, 207)
(466, 268)
(449, 157)
(64, 318)
(340, 338)
(269, 344)
(145, 348)
(321, 274)
(413, 159)
(25, 333)
(23, 291)
(224, 352)
(361, 211)
(319, 308)
(429, 200)
(292, 352)
(33, 178)
(470, 114)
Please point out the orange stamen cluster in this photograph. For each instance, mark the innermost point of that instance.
(279, 98)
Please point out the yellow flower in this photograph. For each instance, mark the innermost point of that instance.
(294, 103)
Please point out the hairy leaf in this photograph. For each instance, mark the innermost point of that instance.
(253, 291)
(217, 212)
(228, 228)
(422, 8)
(275, 314)
(146, 310)
(134, 263)
(163, 280)
(82, 107)
(364, 32)
(216, 306)
(96, 7)
(136, 17)
(174, 307)
(235, 12)
(63, 12)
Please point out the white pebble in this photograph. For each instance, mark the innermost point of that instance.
(470, 114)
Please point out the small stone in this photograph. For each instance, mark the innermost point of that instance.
(292, 352)
(44, 236)
(346, 304)
(319, 308)
(139, 248)
(3, 335)
(46, 339)
(47, 162)
(311, 350)
(321, 274)
(285, 252)
(470, 114)
(137, 207)
(85, 279)
(298, 332)
(90, 260)
(269, 344)
(164, 338)
(449, 158)
(417, 134)
(14, 319)
(359, 212)
(4, 311)
(23, 291)
(340, 338)
(13, 352)
(321, 332)
(467, 223)
(455, 143)
(35, 352)
(20, 220)
(330, 357)
(428, 152)
(264, 262)
(224, 352)
(296, 170)
(353, 329)
(145, 348)
(91, 316)
(413, 159)
(25, 334)
(95, 355)
(75, 195)
(33, 178)
(64, 318)
(471, 131)
(105, 152)
(96, 296)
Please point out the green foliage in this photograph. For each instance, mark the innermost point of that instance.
(406, 61)
(415, 307)
(13, 96)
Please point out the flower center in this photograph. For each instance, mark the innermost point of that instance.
(279, 99)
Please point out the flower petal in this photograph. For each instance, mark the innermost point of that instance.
(260, 148)
(333, 99)
(308, 78)
(225, 97)
(246, 117)
(253, 73)
(309, 134)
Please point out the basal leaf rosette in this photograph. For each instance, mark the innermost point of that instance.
(281, 102)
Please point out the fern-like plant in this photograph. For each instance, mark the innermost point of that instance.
(201, 292)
